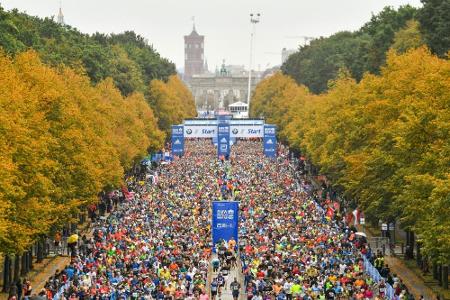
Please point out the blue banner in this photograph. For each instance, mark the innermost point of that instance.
(177, 140)
(225, 220)
(223, 140)
(270, 141)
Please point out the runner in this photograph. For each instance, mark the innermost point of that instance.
(235, 287)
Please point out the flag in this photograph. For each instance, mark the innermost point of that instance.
(356, 214)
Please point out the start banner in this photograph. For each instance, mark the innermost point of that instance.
(236, 131)
(246, 131)
(202, 131)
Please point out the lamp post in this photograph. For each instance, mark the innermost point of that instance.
(254, 19)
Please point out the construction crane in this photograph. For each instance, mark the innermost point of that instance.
(305, 38)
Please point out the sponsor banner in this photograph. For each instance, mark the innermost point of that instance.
(270, 141)
(225, 220)
(204, 131)
(177, 140)
(223, 139)
(236, 131)
(246, 131)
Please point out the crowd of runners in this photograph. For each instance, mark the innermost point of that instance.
(292, 248)
(156, 242)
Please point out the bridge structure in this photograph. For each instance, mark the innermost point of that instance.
(224, 132)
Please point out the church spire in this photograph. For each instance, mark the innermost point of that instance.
(60, 14)
(193, 23)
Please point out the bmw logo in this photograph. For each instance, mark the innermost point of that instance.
(188, 131)
(235, 131)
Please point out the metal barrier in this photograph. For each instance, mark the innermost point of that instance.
(50, 249)
(379, 243)
(373, 272)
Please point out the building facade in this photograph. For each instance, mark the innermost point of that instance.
(194, 56)
(213, 90)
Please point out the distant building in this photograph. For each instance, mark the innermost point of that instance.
(285, 53)
(194, 60)
(239, 110)
(60, 17)
(219, 90)
(213, 90)
(237, 70)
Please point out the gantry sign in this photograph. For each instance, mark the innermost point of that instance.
(224, 132)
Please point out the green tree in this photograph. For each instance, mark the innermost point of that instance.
(362, 51)
(434, 20)
(126, 57)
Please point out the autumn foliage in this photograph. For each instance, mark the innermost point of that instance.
(384, 141)
(171, 101)
(62, 141)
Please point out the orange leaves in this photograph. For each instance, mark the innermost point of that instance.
(62, 141)
(385, 140)
(172, 102)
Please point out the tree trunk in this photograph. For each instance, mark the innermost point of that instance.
(445, 277)
(413, 241)
(6, 274)
(440, 275)
(16, 267)
(435, 271)
(418, 255)
(23, 264)
(409, 253)
(30, 259)
(40, 251)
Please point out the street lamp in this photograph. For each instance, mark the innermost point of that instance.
(254, 19)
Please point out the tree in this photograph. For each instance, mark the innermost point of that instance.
(316, 64)
(383, 140)
(126, 57)
(126, 74)
(408, 37)
(434, 19)
(62, 142)
(381, 29)
(171, 102)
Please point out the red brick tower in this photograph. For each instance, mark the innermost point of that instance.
(193, 54)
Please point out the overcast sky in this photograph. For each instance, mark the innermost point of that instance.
(225, 23)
